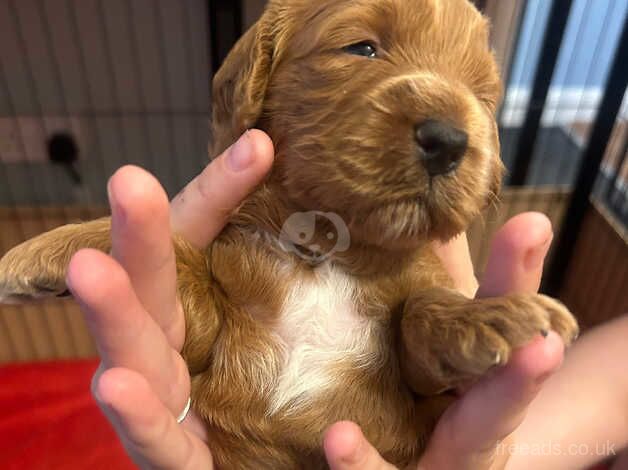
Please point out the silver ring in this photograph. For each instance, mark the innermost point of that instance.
(184, 413)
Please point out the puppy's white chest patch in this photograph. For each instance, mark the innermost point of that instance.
(320, 327)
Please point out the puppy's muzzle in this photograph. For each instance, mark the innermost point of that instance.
(442, 147)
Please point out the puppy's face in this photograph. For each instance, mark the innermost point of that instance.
(382, 111)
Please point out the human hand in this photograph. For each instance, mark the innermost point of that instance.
(474, 432)
(131, 307)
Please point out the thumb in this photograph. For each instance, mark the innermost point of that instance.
(518, 252)
(470, 432)
(346, 448)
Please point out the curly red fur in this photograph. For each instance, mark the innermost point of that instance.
(279, 347)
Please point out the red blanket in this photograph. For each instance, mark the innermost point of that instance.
(49, 420)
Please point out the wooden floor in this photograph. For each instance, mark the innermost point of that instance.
(596, 288)
(48, 330)
(550, 201)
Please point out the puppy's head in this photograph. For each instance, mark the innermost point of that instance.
(382, 111)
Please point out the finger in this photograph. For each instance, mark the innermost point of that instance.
(124, 333)
(456, 259)
(202, 208)
(517, 255)
(148, 430)
(498, 402)
(142, 244)
(346, 448)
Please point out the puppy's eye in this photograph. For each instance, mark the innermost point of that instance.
(364, 49)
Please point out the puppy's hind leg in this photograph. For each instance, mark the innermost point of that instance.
(36, 269)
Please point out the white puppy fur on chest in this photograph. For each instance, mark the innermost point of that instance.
(319, 327)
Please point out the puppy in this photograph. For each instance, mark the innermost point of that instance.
(322, 300)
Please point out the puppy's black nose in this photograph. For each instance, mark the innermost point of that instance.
(442, 146)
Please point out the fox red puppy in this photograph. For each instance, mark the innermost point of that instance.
(321, 300)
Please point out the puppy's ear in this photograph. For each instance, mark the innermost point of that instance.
(36, 268)
(239, 87)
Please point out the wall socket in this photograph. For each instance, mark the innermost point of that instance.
(25, 138)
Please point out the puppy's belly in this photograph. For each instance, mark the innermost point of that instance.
(321, 331)
(323, 355)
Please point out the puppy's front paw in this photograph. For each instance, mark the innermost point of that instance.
(448, 340)
(508, 323)
(531, 314)
(36, 268)
(26, 276)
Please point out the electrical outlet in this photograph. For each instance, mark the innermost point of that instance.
(25, 138)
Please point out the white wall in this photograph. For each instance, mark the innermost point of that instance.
(129, 78)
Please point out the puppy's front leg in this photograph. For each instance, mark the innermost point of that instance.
(36, 268)
(448, 339)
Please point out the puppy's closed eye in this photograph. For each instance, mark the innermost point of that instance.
(364, 49)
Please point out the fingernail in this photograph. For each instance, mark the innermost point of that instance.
(535, 257)
(241, 153)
